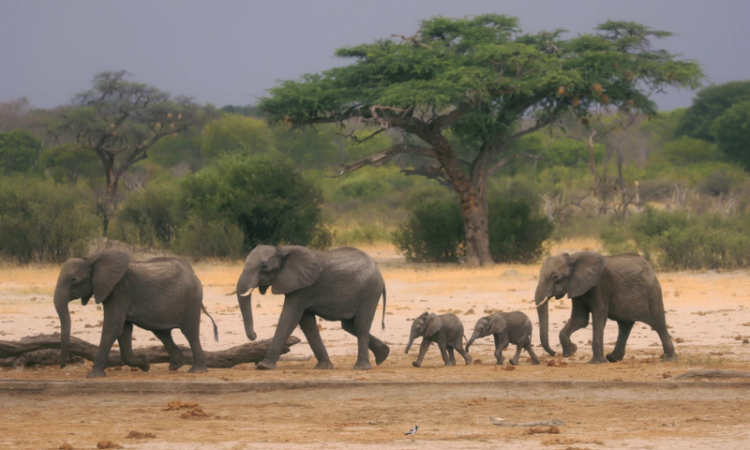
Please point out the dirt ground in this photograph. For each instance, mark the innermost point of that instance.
(709, 316)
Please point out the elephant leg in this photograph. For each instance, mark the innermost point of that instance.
(579, 318)
(442, 345)
(423, 347)
(460, 349)
(534, 359)
(290, 316)
(194, 339)
(622, 338)
(310, 328)
(176, 359)
(599, 321)
(501, 343)
(514, 360)
(451, 355)
(113, 323)
(666, 340)
(376, 346)
(126, 349)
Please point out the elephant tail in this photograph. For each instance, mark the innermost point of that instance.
(383, 322)
(216, 329)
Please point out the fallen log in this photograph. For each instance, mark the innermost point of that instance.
(546, 423)
(251, 352)
(712, 374)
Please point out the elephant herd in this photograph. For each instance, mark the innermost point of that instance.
(345, 285)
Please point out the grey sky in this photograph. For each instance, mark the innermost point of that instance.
(229, 52)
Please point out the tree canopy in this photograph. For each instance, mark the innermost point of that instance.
(121, 120)
(476, 78)
(19, 151)
(732, 133)
(710, 103)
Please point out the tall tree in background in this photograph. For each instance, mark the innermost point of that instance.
(710, 103)
(476, 79)
(120, 121)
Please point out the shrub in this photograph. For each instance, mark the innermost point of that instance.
(676, 241)
(517, 233)
(435, 232)
(19, 151)
(212, 238)
(147, 216)
(263, 195)
(42, 221)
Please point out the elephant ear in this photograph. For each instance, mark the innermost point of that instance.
(434, 324)
(587, 271)
(107, 269)
(497, 325)
(299, 268)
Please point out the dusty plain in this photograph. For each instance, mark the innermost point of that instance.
(631, 404)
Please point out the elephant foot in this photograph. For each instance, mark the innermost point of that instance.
(570, 351)
(266, 365)
(96, 373)
(535, 362)
(449, 364)
(195, 369)
(145, 364)
(381, 355)
(600, 360)
(323, 365)
(362, 365)
(176, 366)
(513, 363)
(416, 364)
(499, 362)
(468, 359)
(671, 358)
(614, 358)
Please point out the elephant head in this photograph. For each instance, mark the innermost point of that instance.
(486, 326)
(284, 269)
(425, 325)
(564, 274)
(96, 274)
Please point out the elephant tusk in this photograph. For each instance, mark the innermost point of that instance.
(545, 301)
(249, 291)
(231, 293)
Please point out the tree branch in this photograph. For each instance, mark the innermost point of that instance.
(380, 158)
(431, 172)
(500, 164)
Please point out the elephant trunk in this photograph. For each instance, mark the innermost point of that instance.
(244, 285)
(541, 299)
(61, 300)
(411, 341)
(474, 337)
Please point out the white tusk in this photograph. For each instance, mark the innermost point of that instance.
(545, 301)
(249, 291)
(231, 293)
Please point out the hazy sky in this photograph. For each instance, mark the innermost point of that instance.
(229, 52)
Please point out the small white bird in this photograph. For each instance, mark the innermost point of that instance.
(413, 431)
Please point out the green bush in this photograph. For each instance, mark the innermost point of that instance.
(212, 238)
(517, 233)
(435, 232)
(19, 151)
(42, 221)
(677, 241)
(147, 216)
(264, 195)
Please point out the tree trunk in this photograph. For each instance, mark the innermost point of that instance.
(476, 215)
(251, 352)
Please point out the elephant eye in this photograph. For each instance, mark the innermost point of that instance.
(263, 266)
(555, 277)
(73, 279)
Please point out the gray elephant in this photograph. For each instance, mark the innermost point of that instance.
(446, 330)
(620, 287)
(507, 328)
(342, 284)
(158, 295)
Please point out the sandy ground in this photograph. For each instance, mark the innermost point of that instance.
(709, 315)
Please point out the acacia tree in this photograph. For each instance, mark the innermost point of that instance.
(476, 79)
(121, 120)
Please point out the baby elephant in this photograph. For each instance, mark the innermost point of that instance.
(507, 328)
(446, 329)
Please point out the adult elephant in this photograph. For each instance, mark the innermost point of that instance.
(620, 287)
(159, 295)
(342, 285)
